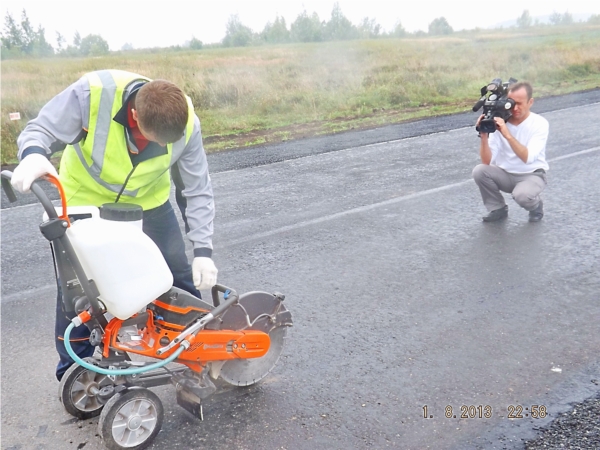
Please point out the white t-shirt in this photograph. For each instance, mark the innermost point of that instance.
(533, 134)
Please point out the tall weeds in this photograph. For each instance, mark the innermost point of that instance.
(237, 90)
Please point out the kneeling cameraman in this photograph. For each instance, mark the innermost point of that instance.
(514, 160)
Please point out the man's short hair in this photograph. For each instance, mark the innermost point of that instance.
(522, 84)
(162, 109)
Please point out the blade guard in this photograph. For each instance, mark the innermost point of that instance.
(259, 311)
(255, 310)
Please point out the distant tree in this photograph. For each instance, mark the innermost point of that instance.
(524, 21)
(77, 40)
(21, 39)
(369, 29)
(566, 19)
(594, 19)
(237, 34)
(306, 28)
(127, 46)
(276, 32)
(440, 26)
(75, 48)
(60, 41)
(93, 45)
(12, 35)
(39, 45)
(339, 27)
(195, 44)
(555, 18)
(398, 30)
(28, 35)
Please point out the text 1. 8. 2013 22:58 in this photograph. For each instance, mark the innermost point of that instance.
(486, 412)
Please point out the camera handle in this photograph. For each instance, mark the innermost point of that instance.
(479, 104)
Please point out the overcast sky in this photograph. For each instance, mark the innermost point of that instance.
(144, 23)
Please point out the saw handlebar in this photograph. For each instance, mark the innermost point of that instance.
(56, 234)
(38, 191)
(7, 187)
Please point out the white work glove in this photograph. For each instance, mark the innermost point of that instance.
(30, 169)
(204, 272)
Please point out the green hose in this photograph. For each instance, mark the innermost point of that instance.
(97, 369)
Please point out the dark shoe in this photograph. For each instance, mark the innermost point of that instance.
(535, 215)
(497, 214)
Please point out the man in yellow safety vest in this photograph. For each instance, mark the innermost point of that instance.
(123, 137)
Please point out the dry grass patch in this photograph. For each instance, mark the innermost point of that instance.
(272, 89)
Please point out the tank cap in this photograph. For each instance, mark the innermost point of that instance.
(121, 212)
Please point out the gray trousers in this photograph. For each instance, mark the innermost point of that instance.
(524, 187)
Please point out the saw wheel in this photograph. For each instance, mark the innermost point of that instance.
(256, 311)
(78, 391)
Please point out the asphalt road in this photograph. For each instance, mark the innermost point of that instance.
(402, 298)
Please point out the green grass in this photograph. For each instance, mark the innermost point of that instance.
(250, 96)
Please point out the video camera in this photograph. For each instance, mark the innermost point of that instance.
(495, 102)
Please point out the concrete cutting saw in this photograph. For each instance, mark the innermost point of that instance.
(181, 339)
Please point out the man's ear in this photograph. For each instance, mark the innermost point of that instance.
(134, 114)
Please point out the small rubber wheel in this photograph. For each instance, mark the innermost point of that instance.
(77, 391)
(131, 419)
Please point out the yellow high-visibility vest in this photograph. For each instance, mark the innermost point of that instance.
(94, 170)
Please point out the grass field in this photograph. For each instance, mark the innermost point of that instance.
(249, 96)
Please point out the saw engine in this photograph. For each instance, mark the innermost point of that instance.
(242, 332)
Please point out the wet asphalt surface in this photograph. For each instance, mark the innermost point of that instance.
(402, 299)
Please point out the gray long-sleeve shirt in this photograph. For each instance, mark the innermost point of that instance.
(64, 119)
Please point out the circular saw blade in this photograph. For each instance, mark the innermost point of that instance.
(245, 372)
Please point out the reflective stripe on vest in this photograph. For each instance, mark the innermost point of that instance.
(100, 178)
(104, 106)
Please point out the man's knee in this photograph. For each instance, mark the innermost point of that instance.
(525, 200)
(479, 172)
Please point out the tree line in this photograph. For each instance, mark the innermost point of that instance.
(21, 39)
(525, 20)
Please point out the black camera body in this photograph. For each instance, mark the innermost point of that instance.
(495, 102)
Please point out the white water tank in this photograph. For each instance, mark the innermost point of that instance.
(126, 265)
